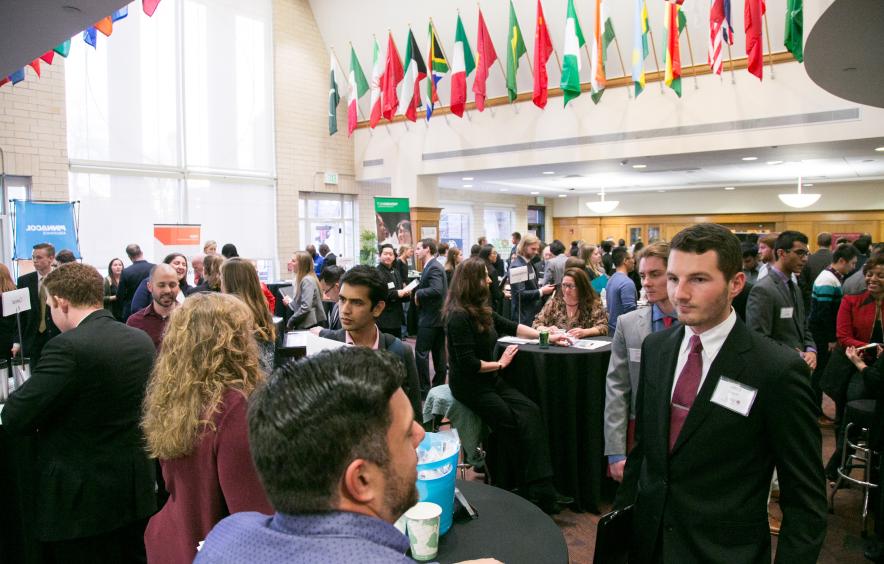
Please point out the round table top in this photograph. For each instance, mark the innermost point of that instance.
(554, 349)
(509, 528)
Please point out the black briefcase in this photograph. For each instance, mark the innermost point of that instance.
(614, 537)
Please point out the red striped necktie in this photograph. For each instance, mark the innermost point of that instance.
(685, 390)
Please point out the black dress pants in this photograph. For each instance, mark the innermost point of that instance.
(517, 421)
(125, 544)
(430, 340)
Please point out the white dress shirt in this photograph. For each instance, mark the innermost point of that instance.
(712, 340)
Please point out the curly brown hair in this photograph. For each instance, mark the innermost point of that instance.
(78, 283)
(208, 348)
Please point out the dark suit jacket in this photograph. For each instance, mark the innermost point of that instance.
(130, 278)
(83, 402)
(387, 342)
(526, 296)
(764, 313)
(31, 319)
(430, 293)
(707, 500)
(392, 316)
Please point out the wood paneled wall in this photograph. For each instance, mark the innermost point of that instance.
(594, 229)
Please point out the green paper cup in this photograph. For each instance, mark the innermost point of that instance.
(423, 530)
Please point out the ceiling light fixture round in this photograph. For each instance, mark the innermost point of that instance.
(799, 200)
(535, 193)
(548, 172)
(640, 166)
(603, 206)
(730, 188)
(879, 149)
(750, 158)
(467, 178)
(467, 185)
(563, 195)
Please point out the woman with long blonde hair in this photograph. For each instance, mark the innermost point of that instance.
(307, 303)
(194, 421)
(240, 278)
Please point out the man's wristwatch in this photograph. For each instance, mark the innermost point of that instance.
(499, 366)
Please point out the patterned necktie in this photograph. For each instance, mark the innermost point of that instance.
(792, 292)
(685, 390)
(42, 296)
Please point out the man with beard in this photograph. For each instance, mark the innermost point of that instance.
(163, 287)
(337, 478)
(718, 408)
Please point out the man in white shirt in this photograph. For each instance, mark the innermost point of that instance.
(718, 410)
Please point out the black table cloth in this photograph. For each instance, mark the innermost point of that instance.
(568, 384)
(509, 528)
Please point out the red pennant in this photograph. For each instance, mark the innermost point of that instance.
(35, 64)
(105, 26)
(3, 81)
(48, 56)
(150, 6)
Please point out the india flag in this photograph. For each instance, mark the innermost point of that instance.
(571, 59)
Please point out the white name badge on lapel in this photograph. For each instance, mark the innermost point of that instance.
(734, 396)
(390, 285)
(786, 312)
(635, 355)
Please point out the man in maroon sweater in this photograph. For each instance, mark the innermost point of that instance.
(163, 287)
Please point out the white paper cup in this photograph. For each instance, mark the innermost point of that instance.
(423, 530)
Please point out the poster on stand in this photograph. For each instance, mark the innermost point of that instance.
(176, 238)
(44, 222)
(393, 219)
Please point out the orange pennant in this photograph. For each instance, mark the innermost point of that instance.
(105, 26)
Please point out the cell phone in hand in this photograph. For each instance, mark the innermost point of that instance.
(869, 346)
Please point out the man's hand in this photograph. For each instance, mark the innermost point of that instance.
(616, 469)
(15, 348)
(547, 290)
(315, 330)
(404, 292)
(810, 359)
(286, 300)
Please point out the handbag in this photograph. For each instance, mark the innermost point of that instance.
(836, 376)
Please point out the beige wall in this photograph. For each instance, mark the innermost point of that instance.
(304, 150)
(33, 132)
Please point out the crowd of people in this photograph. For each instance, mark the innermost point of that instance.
(160, 416)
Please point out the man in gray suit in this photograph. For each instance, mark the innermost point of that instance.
(555, 268)
(775, 307)
(622, 381)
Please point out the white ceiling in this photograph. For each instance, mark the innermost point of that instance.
(817, 163)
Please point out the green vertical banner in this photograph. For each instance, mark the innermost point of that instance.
(393, 219)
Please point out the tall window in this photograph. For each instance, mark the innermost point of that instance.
(329, 219)
(499, 226)
(454, 226)
(171, 121)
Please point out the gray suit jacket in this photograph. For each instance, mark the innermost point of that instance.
(621, 384)
(767, 313)
(555, 270)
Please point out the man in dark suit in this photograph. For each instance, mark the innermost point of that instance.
(392, 318)
(816, 263)
(38, 327)
(328, 257)
(131, 277)
(775, 307)
(718, 408)
(362, 301)
(83, 404)
(429, 297)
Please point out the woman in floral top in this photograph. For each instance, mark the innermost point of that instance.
(577, 309)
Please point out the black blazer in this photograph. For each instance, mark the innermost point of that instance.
(707, 500)
(392, 316)
(31, 319)
(83, 403)
(389, 343)
(130, 278)
(430, 293)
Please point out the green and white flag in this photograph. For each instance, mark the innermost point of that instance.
(333, 99)
(571, 60)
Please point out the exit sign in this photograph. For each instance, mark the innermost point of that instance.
(331, 177)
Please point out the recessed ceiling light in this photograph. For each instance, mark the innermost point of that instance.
(661, 191)
(467, 178)
(504, 189)
(535, 193)
(563, 195)
(807, 184)
(774, 162)
(880, 149)
(750, 158)
(640, 166)
(467, 185)
(553, 172)
(729, 188)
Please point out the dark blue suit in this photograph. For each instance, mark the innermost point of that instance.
(430, 295)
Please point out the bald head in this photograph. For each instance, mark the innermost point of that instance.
(163, 286)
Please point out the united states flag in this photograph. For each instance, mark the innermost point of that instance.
(719, 32)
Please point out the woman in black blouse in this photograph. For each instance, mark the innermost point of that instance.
(474, 377)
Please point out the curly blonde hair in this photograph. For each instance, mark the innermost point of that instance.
(208, 348)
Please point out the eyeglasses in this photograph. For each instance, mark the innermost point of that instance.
(799, 252)
(569, 287)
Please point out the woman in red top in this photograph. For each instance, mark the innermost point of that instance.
(195, 423)
(860, 316)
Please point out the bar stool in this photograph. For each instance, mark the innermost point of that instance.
(857, 453)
